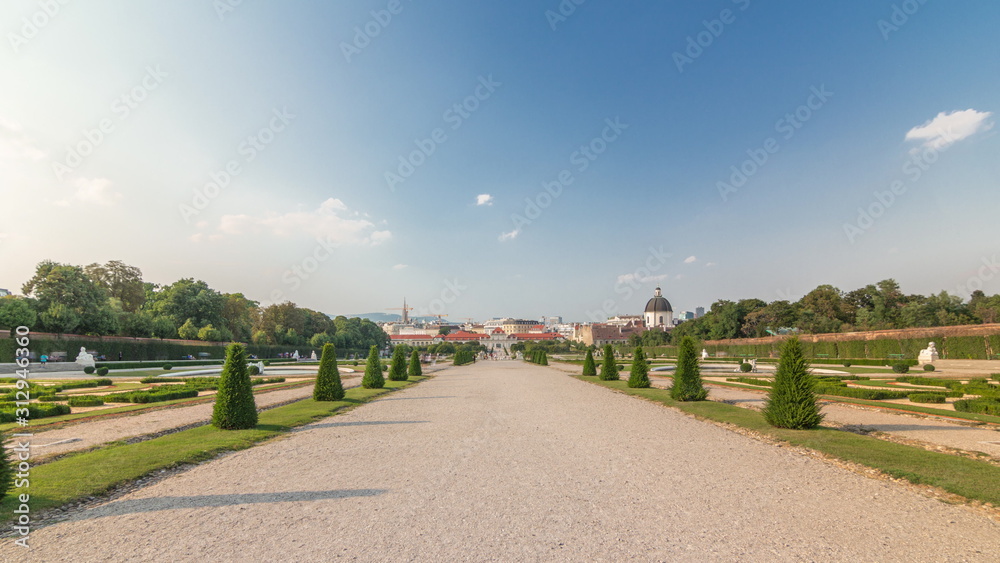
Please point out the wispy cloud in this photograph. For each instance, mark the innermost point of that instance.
(400, 267)
(95, 191)
(949, 128)
(690, 260)
(484, 199)
(332, 221)
(710, 264)
(15, 145)
(627, 278)
(509, 236)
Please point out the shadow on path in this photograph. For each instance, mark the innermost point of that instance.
(156, 504)
(359, 423)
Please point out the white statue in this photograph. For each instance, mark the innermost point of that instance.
(313, 355)
(260, 368)
(704, 354)
(84, 358)
(928, 354)
(295, 356)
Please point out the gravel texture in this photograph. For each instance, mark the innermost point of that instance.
(509, 461)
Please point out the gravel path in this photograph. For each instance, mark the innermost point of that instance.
(509, 461)
(89, 434)
(912, 427)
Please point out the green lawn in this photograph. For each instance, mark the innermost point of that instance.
(974, 480)
(94, 472)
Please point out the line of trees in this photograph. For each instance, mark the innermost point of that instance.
(828, 309)
(112, 299)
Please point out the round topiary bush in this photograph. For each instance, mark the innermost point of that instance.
(267, 363)
(102, 371)
(254, 370)
(928, 367)
(168, 367)
(354, 363)
(900, 367)
(745, 367)
(620, 367)
(88, 370)
(847, 364)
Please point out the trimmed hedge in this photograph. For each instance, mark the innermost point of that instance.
(36, 411)
(86, 401)
(927, 398)
(979, 406)
(964, 348)
(855, 393)
(150, 397)
(752, 381)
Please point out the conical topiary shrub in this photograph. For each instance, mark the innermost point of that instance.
(687, 377)
(589, 368)
(328, 385)
(609, 371)
(373, 371)
(545, 359)
(397, 369)
(415, 370)
(639, 376)
(235, 408)
(791, 402)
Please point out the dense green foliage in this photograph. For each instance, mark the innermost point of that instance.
(589, 368)
(373, 378)
(397, 369)
(639, 374)
(687, 377)
(792, 401)
(609, 370)
(235, 407)
(328, 385)
(465, 356)
(414, 369)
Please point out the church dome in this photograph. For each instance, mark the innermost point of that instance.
(658, 304)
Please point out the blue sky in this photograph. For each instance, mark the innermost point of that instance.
(312, 121)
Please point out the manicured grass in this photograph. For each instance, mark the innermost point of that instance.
(975, 480)
(95, 472)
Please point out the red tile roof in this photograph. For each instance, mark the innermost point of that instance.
(463, 335)
(410, 337)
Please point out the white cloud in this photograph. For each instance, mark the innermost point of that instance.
(15, 145)
(710, 264)
(327, 223)
(484, 199)
(91, 190)
(400, 267)
(509, 236)
(949, 128)
(690, 259)
(627, 278)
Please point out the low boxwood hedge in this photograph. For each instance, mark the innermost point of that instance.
(86, 401)
(927, 398)
(35, 411)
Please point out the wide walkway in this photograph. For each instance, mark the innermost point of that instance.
(510, 461)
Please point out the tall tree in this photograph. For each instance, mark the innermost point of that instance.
(687, 376)
(639, 375)
(15, 312)
(414, 369)
(588, 363)
(121, 282)
(235, 408)
(397, 369)
(68, 301)
(373, 378)
(328, 384)
(791, 402)
(609, 369)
